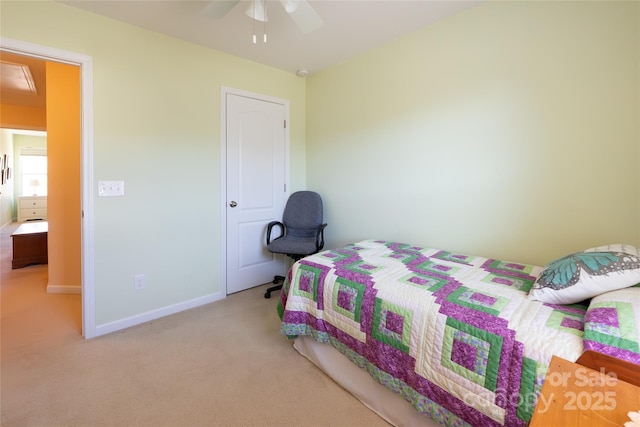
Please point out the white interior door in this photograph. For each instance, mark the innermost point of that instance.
(255, 188)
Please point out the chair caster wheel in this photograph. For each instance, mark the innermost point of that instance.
(267, 295)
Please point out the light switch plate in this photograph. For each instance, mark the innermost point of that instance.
(110, 188)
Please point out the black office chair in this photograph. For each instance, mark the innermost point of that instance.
(301, 230)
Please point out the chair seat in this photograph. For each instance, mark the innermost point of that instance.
(301, 230)
(293, 245)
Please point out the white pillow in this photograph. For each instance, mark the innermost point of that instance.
(612, 324)
(585, 274)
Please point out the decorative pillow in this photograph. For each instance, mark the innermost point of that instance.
(585, 274)
(612, 324)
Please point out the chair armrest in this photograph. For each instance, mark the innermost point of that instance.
(270, 226)
(320, 237)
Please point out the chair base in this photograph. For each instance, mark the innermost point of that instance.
(276, 279)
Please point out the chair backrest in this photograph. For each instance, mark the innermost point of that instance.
(303, 214)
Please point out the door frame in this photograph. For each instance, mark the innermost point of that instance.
(224, 91)
(87, 261)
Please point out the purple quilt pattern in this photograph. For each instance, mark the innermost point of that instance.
(453, 334)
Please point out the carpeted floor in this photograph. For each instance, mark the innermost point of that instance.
(223, 364)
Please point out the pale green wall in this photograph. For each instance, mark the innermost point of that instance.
(510, 130)
(156, 127)
(6, 189)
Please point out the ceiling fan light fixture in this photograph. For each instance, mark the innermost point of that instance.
(257, 10)
(290, 5)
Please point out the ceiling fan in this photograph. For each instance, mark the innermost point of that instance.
(300, 11)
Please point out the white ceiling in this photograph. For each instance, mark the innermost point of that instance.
(350, 26)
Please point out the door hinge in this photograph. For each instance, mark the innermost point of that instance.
(285, 188)
(285, 124)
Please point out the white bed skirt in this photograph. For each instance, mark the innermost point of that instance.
(390, 406)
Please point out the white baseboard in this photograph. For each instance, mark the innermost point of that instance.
(56, 289)
(107, 328)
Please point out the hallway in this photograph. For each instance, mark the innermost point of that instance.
(32, 319)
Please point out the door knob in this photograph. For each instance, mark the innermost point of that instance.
(233, 204)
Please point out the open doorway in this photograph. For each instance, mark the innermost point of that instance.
(34, 90)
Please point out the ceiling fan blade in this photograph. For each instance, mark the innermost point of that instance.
(303, 15)
(218, 8)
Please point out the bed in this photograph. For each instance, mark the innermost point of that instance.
(422, 335)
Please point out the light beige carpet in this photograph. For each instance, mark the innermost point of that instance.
(223, 364)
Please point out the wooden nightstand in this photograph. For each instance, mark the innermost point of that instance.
(576, 395)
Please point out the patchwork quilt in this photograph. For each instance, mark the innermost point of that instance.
(453, 334)
(612, 324)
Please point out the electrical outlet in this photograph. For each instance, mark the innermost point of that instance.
(139, 282)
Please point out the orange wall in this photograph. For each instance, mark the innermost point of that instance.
(20, 117)
(63, 151)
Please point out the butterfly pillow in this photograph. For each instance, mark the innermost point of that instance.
(585, 274)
